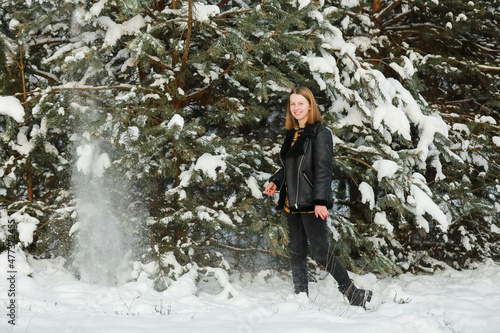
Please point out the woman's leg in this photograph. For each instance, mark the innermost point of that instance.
(298, 252)
(317, 234)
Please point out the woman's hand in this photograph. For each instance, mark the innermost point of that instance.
(321, 211)
(270, 189)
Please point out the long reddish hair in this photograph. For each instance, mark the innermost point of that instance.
(312, 117)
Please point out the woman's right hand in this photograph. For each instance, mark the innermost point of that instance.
(270, 189)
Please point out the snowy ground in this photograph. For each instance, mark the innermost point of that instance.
(52, 300)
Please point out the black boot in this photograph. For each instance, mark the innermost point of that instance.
(356, 297)
(299, 290)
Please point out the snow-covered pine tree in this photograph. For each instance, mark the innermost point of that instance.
(178, 96)
(453, 47)
(188, 100)
(34, 154)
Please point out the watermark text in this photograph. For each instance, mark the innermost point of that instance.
(11, 275)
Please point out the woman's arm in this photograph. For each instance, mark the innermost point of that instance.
(278, 178)
(323, 167)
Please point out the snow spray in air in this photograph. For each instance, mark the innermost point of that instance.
(104, 236)
(108, 228)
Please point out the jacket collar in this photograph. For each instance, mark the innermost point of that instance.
(298, 147)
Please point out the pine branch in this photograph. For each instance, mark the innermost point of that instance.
(380, 16)
(208, 88)
(417, 28)
(47, 42)
(235, 12)
(482, 67)
(47, 76)
(479, 46)
(488, 68)
(394, 20)
(9, 49)
(222, 3)
(83, 88)
(357, 160)
(239, 250)
(357, 152)
(153, 61)
(205, 90)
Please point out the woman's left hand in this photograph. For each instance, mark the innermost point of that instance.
(270, 189)
(321, 211)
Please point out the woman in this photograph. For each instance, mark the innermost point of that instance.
(304, 183)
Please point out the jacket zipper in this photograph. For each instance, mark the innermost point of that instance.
(308, 180)
(298, 175)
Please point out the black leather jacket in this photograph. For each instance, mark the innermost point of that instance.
(307, 168)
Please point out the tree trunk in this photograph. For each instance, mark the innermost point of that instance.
(30, 181)
(29, 176)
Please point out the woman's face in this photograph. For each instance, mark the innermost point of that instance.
(299, 107)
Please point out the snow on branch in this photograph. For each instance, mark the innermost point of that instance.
(12, 107)
(228, 291)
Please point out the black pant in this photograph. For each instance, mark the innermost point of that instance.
(306, 227)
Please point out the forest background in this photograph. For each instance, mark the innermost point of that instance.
(170, 115)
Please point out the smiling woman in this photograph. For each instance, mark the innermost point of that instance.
(304, 182)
